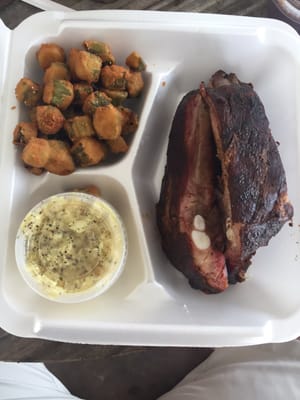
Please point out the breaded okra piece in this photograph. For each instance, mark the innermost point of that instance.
(78, 127)
(114, 77)
(28, 92)
(24, 131)
(57, 70)
(49, 53)
(87, 66)
(107, 122)
(49, 119)
(90, 189)
(60, 161)
(58, 93)
(94, 100)
(101, 49)
(36, 153)
(73, 54)
(34, 170)
(134, 83)
(117, 96)
(81, 91)
(88, 151)
(130, 120)
(135, 62)
(118, 145)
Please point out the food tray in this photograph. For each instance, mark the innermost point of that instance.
(152, 303)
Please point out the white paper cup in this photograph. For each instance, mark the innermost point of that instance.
(74, 261)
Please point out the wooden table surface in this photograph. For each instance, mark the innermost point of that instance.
(12, 13)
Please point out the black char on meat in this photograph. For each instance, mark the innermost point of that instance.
(224, 191)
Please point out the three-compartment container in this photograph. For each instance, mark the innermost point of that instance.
(152, 303)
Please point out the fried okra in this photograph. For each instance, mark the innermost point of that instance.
(49, 119)
(130, 121)
(134, 83)
(81, 92)
(87, 66)
(117, 96)
(23, 132)
(107, 122)
(60, 161)
(101, 49)
(28, 92)
(87, 151)
(73, 54)
(79, 127)
(114, 77)
(78, 114)
(57, 70)
(58, 93)
(90, 189)
(94, 100)
(49, 53)
(118, 145)
(135, 62)
(36, 153)
(34, 170)
(32, 115)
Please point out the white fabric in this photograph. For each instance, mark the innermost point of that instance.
(30, 381)
(265, 372)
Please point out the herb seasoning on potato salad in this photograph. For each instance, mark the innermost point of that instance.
(72, 244)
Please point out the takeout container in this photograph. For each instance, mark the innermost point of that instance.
(152, 303)
(110, 266)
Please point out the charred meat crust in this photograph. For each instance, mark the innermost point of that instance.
(252, 172)
(223, 164)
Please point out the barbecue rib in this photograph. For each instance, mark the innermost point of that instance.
(253, 182)
(219, 210)
(189, 190)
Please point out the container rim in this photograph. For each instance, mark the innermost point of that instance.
(97, 289)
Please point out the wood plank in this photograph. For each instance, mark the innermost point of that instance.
(238, 7)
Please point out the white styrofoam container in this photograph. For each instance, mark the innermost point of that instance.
(152, 303)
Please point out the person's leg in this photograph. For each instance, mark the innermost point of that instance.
(30, 381)
(269, 372)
